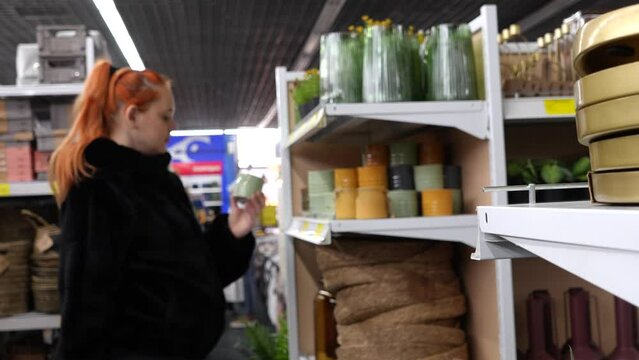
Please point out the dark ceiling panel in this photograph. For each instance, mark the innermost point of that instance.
(221, 54)
(19, 19)
(597, 6)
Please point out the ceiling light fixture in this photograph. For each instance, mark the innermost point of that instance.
(206, 132)
(113, 20)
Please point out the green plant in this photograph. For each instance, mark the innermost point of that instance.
(267, 345)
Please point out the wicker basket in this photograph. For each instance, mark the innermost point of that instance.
(16, 252)
(46, 298)
(13, 226)
(13, 302)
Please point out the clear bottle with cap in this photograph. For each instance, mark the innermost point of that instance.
(517, 39)
(567, 38)
(549, 73)
(539, 75)
(557, 63)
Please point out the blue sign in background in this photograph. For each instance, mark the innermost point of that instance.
(193, 149)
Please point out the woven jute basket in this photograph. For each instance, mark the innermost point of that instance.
(13, 302)
(406, 334)
(459, 353)
(13, 226)
(390, 351)
(359, 303)
(14, 276)
(424, 312)
(340, 278)
(46, 298)
(45, 271)
(366, 252)
(16, 252)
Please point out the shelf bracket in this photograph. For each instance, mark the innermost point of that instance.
(494, 247)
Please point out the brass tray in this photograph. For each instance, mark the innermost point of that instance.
(607, 118)
(615, 187)
(607, 85)
(609, 40)
(615, 154)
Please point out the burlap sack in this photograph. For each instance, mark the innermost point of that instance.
(362, 302)
(339, 278)
(390, 352)
(365, 252)
(425, 312)
(460, 353)
(362, 334)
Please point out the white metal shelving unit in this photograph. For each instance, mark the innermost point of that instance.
(539, 108)
(25, 189)
(458, 228)
(593, 241)
(345, 122)
(32, 320)
(29, 321)
(40, 90)
(327, 121)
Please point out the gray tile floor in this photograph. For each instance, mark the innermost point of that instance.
(232, 346)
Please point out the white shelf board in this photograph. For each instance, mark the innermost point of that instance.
(596, 242)
(457, 228)
(30, 321)
(40, 90)
(212, 203)
(21, 189)
(539, 108)
(338, 120)
(198, 191)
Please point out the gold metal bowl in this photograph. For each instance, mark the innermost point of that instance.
(607, 85)
(615, 187)
(607, 118)
(609, 40)
(615, 154)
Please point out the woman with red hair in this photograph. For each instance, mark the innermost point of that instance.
(139, 278)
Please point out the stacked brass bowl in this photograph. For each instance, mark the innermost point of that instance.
(606, 59)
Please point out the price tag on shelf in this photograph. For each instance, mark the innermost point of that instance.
(5, 189)
(305, 226)
(319, 229)
(560, 106)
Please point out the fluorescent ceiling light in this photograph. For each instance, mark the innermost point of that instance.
(207, 132)
(112, 18)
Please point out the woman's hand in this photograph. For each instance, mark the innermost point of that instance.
(242, 221)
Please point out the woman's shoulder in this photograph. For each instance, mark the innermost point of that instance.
(98, 190)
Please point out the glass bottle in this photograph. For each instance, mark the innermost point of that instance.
(580, 345)
(626, 326)
(566, 48)
(549, 71)
(325, 326)
(540, 340)
(539, 75)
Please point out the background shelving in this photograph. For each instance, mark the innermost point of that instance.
(24, 189)
(473, 129)
(40, 90)
(539, 108)
(29, 321)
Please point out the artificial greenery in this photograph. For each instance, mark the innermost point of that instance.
(267, 345)
(551, 171)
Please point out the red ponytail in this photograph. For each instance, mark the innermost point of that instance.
(103, 93)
